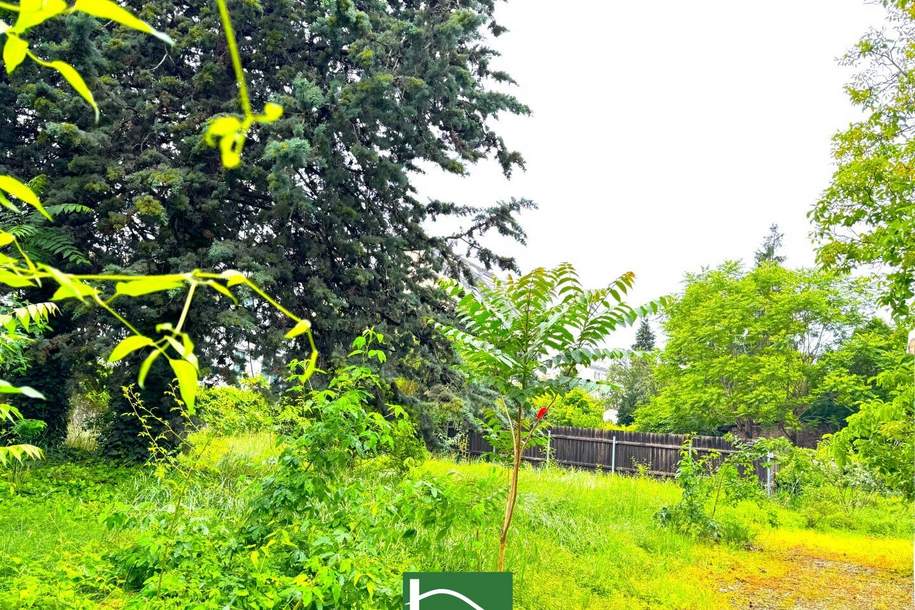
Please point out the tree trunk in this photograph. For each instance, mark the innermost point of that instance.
(510, 500)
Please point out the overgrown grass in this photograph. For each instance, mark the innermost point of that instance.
(250, 453)
(591, 540)
(581, 539)
(53, 542)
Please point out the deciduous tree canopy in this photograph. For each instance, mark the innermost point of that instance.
(867, 214)
(743, 347)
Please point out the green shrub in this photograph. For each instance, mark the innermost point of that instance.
(578, 408)
(689, 515)
(798, 470)
(830, 496)
(835, 507)
(228, 410)
(328, 523)
(715, 496)
(880, 437)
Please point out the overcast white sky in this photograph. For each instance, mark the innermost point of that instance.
(667, 135)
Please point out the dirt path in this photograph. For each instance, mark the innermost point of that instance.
(804, 570)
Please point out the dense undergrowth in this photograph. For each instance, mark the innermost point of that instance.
(324, 498)
(243, 528)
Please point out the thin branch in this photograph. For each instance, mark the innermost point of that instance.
(236, 57)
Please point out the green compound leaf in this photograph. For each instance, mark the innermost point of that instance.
(128, 346)
(105, 9)
(186, 374)
(14, 52)
(22, 191)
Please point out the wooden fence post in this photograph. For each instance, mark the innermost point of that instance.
(769, 457)
(549, 445)
(613, 457)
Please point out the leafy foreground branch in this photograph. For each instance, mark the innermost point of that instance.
(173, 342)
(19, 272)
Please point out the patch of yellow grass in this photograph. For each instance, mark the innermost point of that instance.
(882, 553)
(793, 568)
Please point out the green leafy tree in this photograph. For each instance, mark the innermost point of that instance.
(881, 434)
(744, 347)
(631, 380)
(867, 214)
(877, 381)
(525, 338)
(632, 383)
(849, 374)
(323, 212)
(577, 408)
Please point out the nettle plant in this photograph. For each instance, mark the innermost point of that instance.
(526, 338)
(18, 271)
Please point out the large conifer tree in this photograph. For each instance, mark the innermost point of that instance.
(644, 337)
(322, 211)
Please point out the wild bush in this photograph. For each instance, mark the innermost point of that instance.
(709, 484)
(578, 408)
(827, 495)
(229, 410)
(832, 507)
(330, 524)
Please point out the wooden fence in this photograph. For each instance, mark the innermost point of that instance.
(616, 450)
